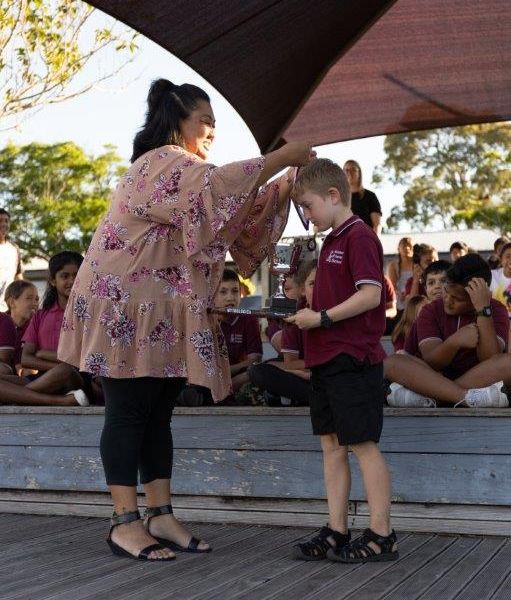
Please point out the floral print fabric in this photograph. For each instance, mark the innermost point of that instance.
(139, 304)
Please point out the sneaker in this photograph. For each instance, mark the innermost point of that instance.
(488, 397)
(401, 397)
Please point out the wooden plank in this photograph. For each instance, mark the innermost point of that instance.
(472, 479)
(436, 568)
(450, 586)
(467, 435)
(503, 592)
(488, 580)
(242, 411)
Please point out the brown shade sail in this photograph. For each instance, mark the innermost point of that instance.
(331, 70)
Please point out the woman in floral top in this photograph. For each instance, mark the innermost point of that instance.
(137, 315)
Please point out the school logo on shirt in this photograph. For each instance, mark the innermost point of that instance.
(236, 338)
(335, 257)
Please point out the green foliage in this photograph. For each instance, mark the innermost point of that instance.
(457, 175)
(56, 195)
(44, 45)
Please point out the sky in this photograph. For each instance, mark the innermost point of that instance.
(112, 112)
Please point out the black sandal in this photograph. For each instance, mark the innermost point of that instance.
(317, 548)
(193, 544)
(359, 551)
(129, 517)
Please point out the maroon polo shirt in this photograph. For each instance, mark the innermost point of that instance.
(292, 340)
(8, 336)
(242, 337)
(351, 255)
(44, 328)
(434, 324)
(411, 343)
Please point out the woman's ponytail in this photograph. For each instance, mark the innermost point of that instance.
(167, 105)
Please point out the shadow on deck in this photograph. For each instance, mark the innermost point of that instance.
(58, 558)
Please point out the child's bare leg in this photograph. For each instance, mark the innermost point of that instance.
(494, 369)
(238, 381)
(376, 478)
(61, 378)
(337, 481)
(418, 376)
(13, 379)
(12, 393)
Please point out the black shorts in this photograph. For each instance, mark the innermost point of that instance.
(347, 399)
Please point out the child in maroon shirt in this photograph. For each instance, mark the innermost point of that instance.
(343, 328)
(462, 339)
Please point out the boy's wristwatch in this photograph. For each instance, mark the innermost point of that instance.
(325, 321)
(484, 312)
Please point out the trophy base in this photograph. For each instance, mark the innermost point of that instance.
(283, 305)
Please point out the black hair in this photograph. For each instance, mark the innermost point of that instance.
(467, 267)
(230, 275)
(167, 104)
(458, 246)
(504, 248)
(56, 264)
(3, 211)
(499, 241)
(419, 250)
(438, 266)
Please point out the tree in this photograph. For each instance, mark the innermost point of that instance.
(56, 194)
(44, 45)
(455, 176)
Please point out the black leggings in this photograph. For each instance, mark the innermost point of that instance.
(280, 383)
(136, 435)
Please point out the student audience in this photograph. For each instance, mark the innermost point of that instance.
(462, 339)
(494, 259)
(423, 256)
(288, 380)
(457, 250)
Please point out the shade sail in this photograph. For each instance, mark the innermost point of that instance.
(330, 70)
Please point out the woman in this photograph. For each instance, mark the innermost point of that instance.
(400, 270)
(364, 203)
(138, 312)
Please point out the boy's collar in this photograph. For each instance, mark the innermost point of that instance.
(343, 226)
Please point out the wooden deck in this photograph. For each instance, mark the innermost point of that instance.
(58, 558)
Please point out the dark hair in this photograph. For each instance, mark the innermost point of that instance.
(409, 315)
(5, 212)
(419, 250)
(504, 248)
(458, 246)
(499, 241)
(467, 267)
(230, 275)
(56, 264)
(305, 270)
(15, 289)
(167, 104)
(438, 266)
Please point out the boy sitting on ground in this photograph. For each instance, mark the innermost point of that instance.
(461, 338)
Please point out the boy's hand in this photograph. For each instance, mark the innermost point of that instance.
(417, 272)
(467, 336)
(479, 293)
(305, 319)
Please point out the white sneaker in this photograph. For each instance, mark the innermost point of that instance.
(80, 397)
(401, 397)
(488, 397)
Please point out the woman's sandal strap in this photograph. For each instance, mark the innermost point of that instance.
(156, 511)
(318, 546)
(123, 518)
(360, 551)
(152, 548)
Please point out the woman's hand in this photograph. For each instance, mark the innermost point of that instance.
(298, 154)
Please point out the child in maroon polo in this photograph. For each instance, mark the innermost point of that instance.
(343, 328)
(461, 339)
(8, 344)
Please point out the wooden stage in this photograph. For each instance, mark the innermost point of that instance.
(63, 558)
(451, 468)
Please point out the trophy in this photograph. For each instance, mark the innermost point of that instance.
(283, 266)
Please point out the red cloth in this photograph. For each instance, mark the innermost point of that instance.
(8, 336)
(292, 340)
(351, 256)
(44, 328)
(242, 337)
(434, 324)
(408, 287)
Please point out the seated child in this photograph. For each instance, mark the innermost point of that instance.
(462, 338)
(243, 340)
(289, 379)
(423, 256)
(292, 290)
(343, 328)
(22, 300)
(412, 309)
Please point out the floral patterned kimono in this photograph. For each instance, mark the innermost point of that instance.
(139, 303)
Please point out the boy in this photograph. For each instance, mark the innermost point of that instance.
(241, 332)
(343, 328)
(462, 338)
